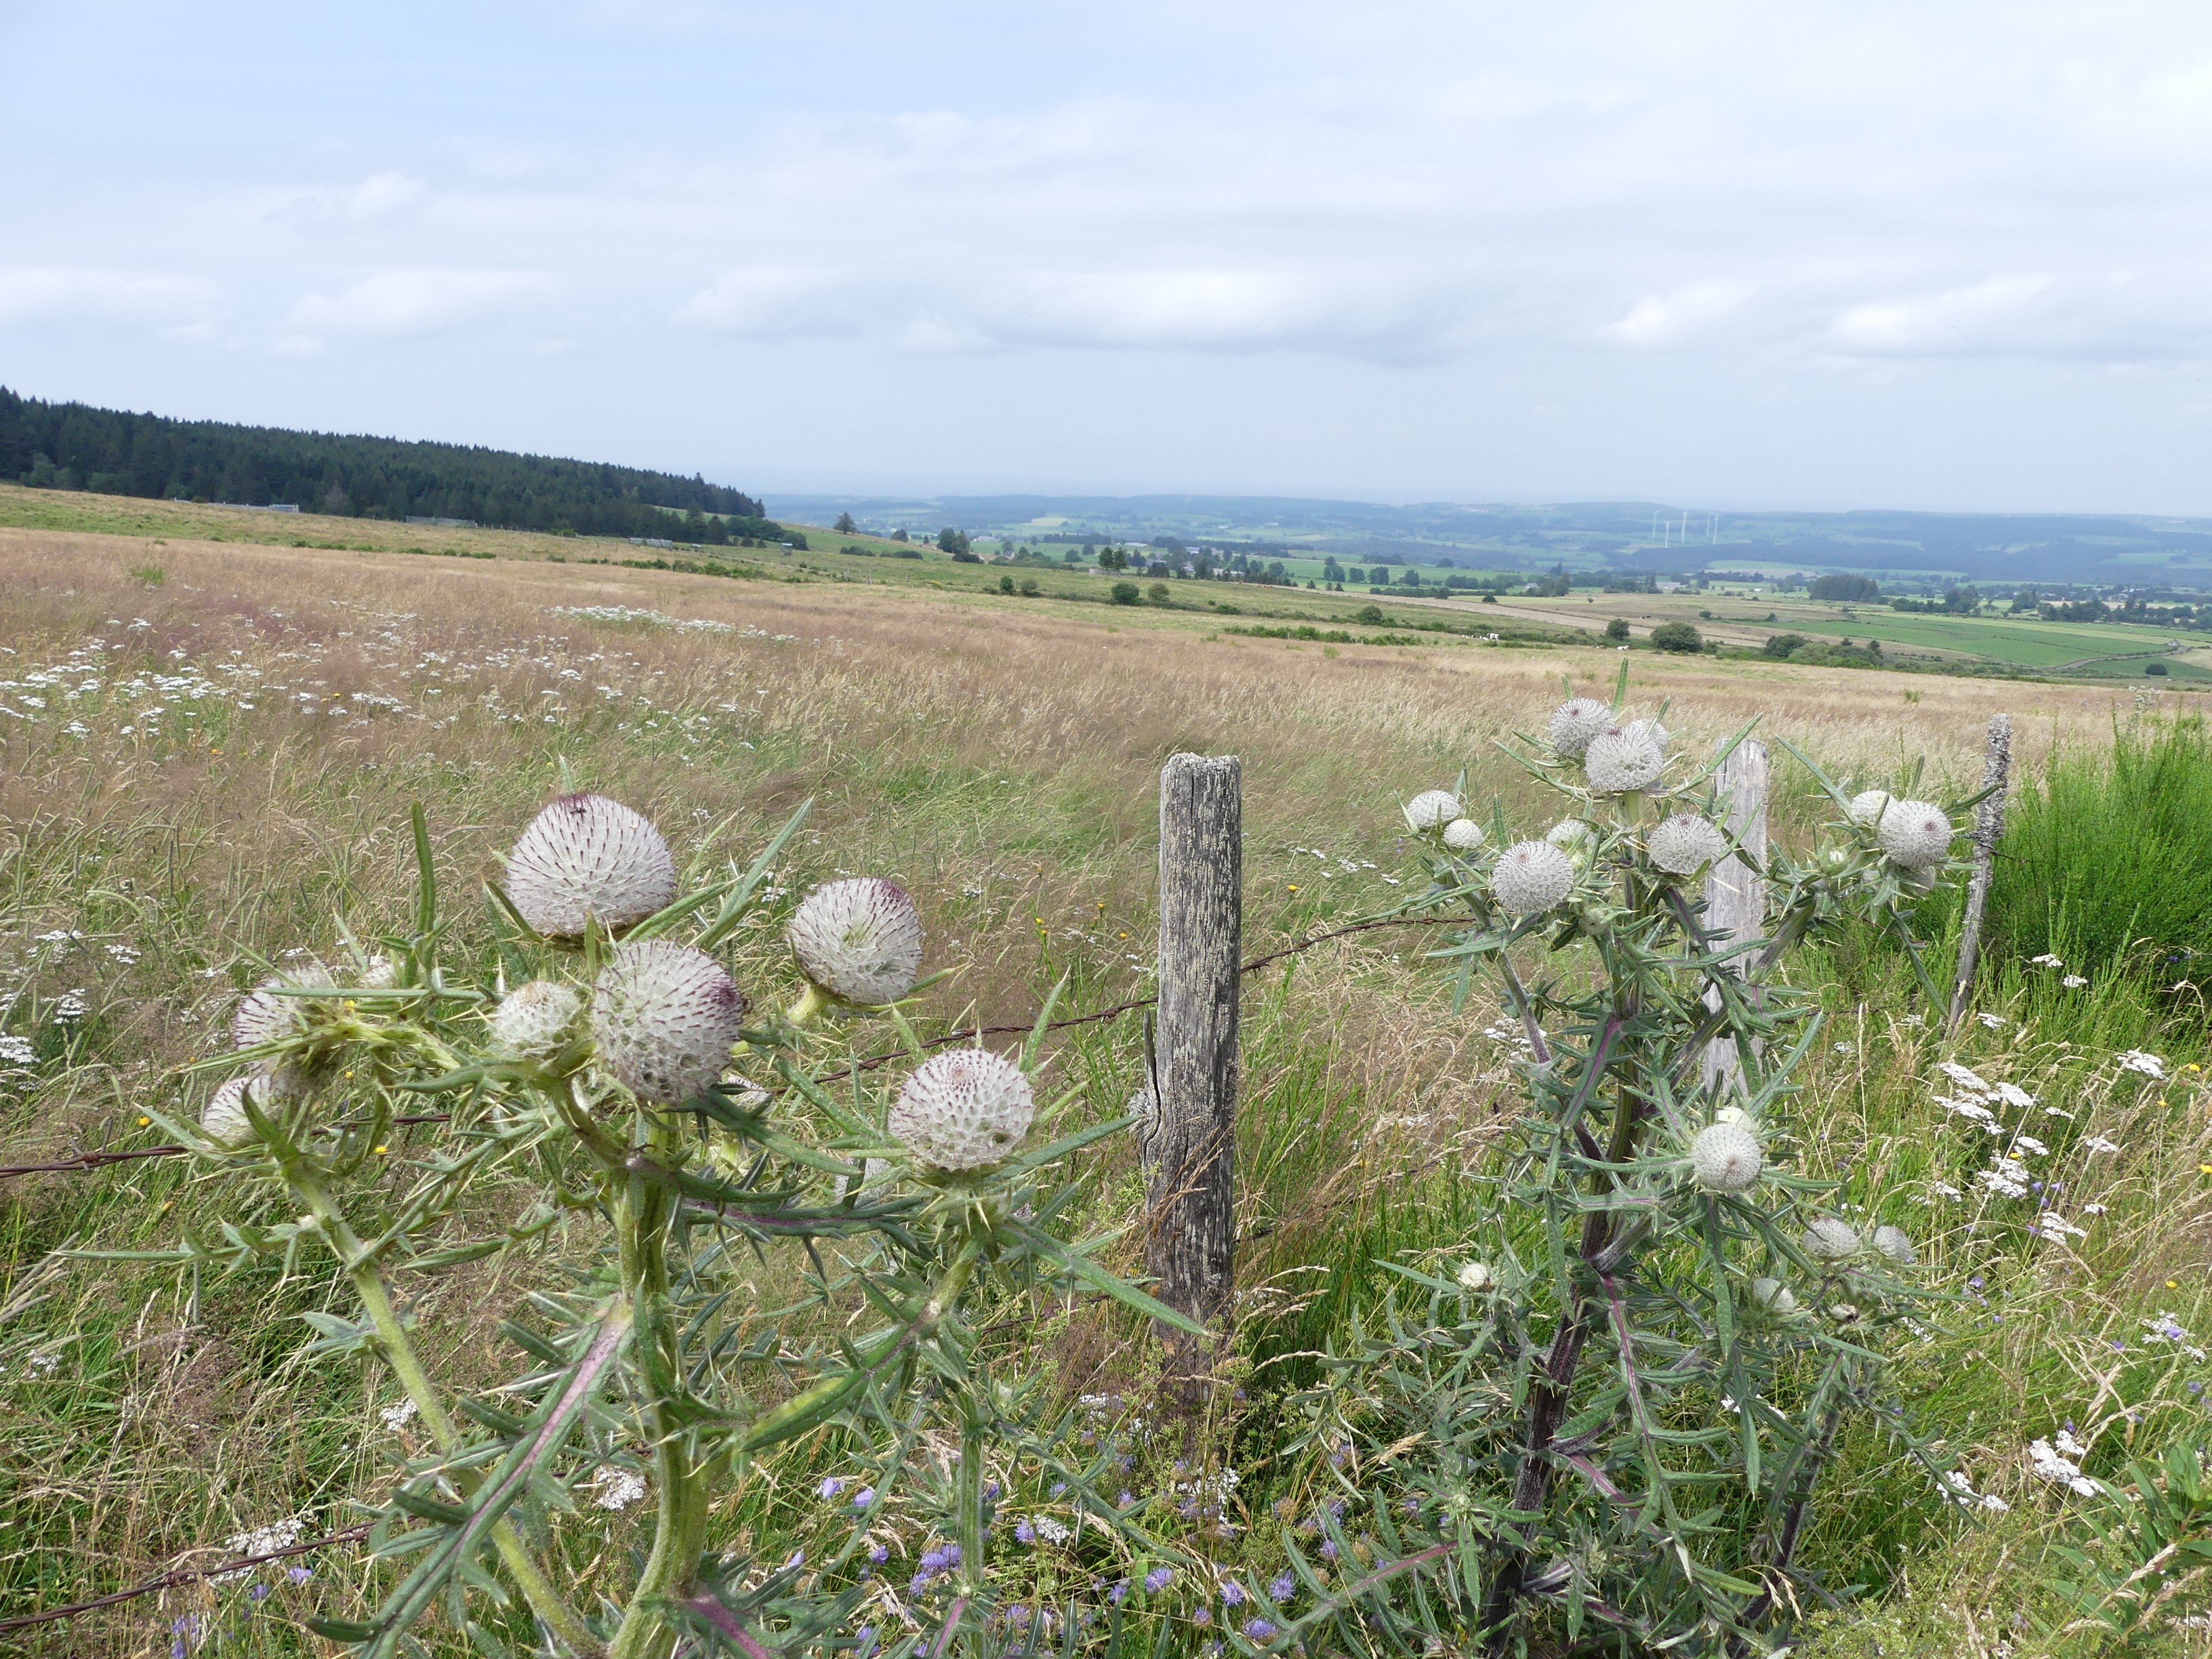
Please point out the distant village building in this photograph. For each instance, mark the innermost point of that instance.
(444, 524)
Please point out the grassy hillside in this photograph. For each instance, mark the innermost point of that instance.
(209, 741)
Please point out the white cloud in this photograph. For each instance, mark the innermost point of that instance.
(43, 293)
(2108, 319)
(1657, 320)
(413, 304)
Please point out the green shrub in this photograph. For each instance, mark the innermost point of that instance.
(1126, 593)
(1677, 637)
(1617, 629)
(1782, 645)
(2156, 668)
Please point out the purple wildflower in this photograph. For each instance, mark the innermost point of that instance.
(299, 1575)
(1232, 1592)
(1203, 1616)
(952, 1554)
(258, 1593)
(862, 1498)
(1158, 1579)
(1025, 1532)
(1058, 1487)
(1121, 1589)
(920, 1582)
(1282, 1587)
(1328, 1550)
(990, 1492)
(880, 1553)
(830, 1487)
(1125, 1500)
(1260, 1630)
(935, 1561)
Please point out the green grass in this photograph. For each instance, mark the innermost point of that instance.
(2029, 644)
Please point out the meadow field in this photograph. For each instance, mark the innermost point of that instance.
(210, 746)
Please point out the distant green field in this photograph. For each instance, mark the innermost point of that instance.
(2029, 644)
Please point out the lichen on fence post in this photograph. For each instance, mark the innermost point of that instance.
(1190, 1236)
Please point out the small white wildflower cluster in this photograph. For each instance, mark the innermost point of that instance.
(964, 1109)
(2056, 1460)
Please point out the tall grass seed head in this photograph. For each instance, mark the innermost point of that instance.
(1685, 844)
(1867, 807)
(536, 1021)
(266, 1016)
(1622, 762)
(1432, 809)
(1897, 1244)
(665, 1018)
(858, 939)
(1831, 1239)
(587, 857)
(1916, 834)
(1726, 1156)
(964, 1110)
(1531, 876)
(1463, 834)
(1575, 722)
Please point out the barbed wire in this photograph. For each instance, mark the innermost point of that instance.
(85, 1163)
(182, 1575)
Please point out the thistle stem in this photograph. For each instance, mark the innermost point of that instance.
(399, 1353)
(805, 1012)
(972, 1440)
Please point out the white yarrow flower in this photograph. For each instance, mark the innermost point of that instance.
(1685, 844)
(1463, 834)
(1726, 1156)
(665, 1017)
(1531, 876)
(1576, 721)
(1432, 809)
(2135, 1060)
(1916, 834)
(858, 939)
(964, 1110)
(1830, 1239)
(536, 1021)
(1621, 763)
(617, 1489)
(586, 857)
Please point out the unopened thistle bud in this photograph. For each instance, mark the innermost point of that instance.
(1463, 834)
(1773, 1295)
(861, 941)
(1622, 762)
(964, 1110)
(1897, 1244)
(1575, 722)
(586, 858)
(267, 1015)
(1916, 834)
(1432, 809)
(1726, 1156)
(1531, 876)
(536, 1021)
(224, 1121)
(1685, 844)
(1475, 1276)
(665, 1018)
(1867, 806)
(1830, 1239)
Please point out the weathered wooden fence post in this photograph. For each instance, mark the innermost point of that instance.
(1191, 1240)
(1989, 825)
(1735, 893)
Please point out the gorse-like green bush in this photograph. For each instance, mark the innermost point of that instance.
(2106, 858)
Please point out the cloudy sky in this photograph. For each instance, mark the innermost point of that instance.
(1955, 255)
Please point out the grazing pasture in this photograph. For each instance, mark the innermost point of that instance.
(208, 753)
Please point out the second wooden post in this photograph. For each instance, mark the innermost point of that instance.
(1190, 1248)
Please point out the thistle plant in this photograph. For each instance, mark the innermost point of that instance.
(1606, 1428)
(893, 1210)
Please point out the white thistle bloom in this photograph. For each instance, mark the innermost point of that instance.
(1773, 1295)
(858, 939)
(536, 1020)
(1620, 763)
(1660, 736)
(665, 1017)
(1531, 876)
(964, 1110)
(1831, 1239)
(1432, 809)
(1897, 1244)
(1867, 806)
(1734, 1115)
(2135, 1060)
(1463, 834)
(586, 857)
(267, 1015)
(1576, 721)
(1475, 1276)
(1685, 844)
(1726, 1156)
(224, 1119)
(1916, 834)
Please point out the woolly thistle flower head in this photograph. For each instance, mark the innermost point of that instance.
(536, 1021)
(665, 1018)
(1570, 834)
(1831, 1239)
(1432, 809)
(587, 857)
(1531, 876)
(1773, 1295)
(377, 973)
(1463, 834)
(1575, 722)
(1622, 762)
(1726, 1156)
(267, 1015)
(964, 1110)
(224, 1121)
(1685, 844)
(1867, 807)
(1897, 1244)
(1660, 736)
(860, 940)
(1916, 834)
(1475, 1276)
